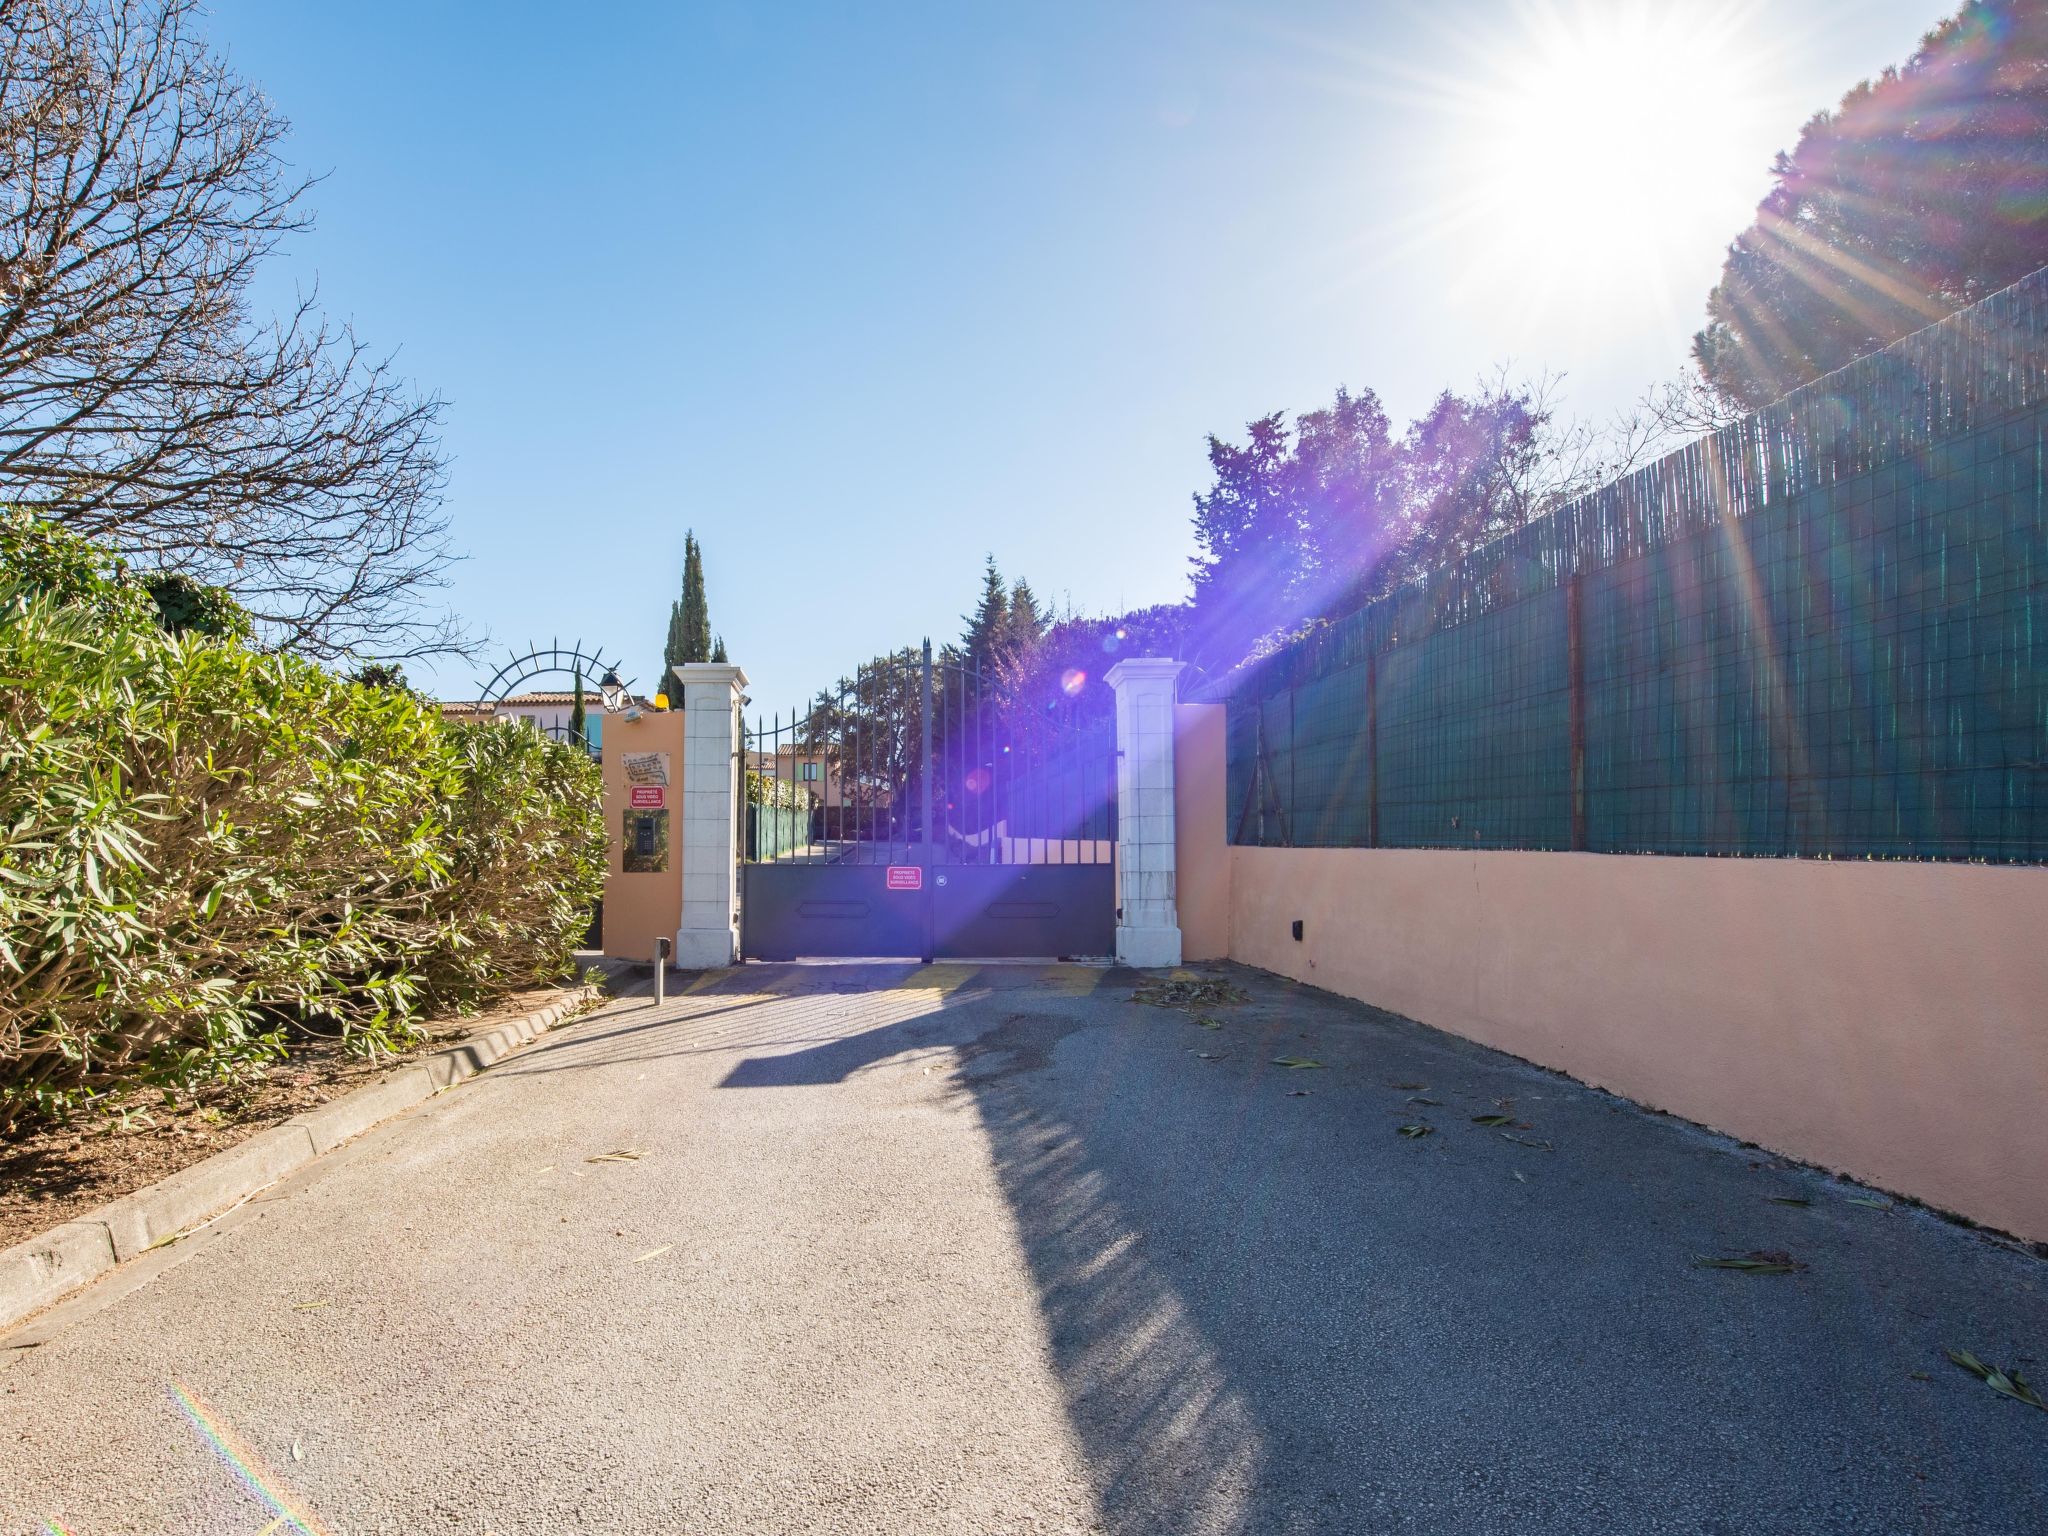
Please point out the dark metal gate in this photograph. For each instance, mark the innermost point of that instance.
(925, 808)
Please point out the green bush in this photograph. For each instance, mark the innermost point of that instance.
(202, 847)
(784, 794)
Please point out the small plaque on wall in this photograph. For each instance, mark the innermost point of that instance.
(646, 842)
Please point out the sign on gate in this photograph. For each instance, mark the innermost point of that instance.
(905, 877)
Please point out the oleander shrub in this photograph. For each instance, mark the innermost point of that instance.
(203, 847)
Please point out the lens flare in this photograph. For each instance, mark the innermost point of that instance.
(249, 1468)
(1072, 681)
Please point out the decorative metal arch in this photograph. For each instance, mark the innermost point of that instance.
(557, 660)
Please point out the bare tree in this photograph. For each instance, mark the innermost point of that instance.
(142, 401)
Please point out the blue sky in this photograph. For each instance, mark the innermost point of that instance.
(862, 293)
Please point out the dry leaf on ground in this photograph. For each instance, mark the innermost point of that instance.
(1760, 1261)
(2005, 1383)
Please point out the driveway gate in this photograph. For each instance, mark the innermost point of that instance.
(920, 809)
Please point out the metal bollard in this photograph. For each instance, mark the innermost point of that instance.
(663, 948)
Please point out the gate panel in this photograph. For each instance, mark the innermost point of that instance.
(1053, 911)
(995, 807)
(829, 911)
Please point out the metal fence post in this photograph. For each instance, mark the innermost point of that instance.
(1575, 682)
(924, 795)
(1372, 749)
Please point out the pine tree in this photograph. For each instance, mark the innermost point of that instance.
(1025, 626)
(988, 625)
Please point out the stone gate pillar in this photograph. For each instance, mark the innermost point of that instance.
(709, 936)
(1148, 929)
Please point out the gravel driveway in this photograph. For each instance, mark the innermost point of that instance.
(958, 1249)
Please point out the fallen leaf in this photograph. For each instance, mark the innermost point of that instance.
(1521, 1177)
(654, 1253)
(1416, 1098)
(545, 1168)
(1528, 1141)
(311, 1306)
(621, 1155)
(1762, 1261)
(1788, 1200)
(1493, 1119)
(2005, 1383)
(298, 1454)
(1413, 1131)
(1297, 1063)
(1921, 1375)
(1209, 1023)
(1209, 1055)
(1409, 1087)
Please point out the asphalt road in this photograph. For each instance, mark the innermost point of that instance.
(952, 1249)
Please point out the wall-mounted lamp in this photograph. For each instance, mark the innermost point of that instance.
(611, 691)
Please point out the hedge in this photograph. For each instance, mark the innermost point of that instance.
(204, 847)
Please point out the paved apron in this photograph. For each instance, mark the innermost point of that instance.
(960, 1249)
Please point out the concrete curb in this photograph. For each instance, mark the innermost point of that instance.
(37, 1272)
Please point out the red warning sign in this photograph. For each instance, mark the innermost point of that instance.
(650, 797)
(906, 877)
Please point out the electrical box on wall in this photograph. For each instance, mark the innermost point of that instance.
(1297, 930)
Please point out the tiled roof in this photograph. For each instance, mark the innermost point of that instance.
(540, 699)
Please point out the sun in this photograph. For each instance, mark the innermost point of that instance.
(1604, 143)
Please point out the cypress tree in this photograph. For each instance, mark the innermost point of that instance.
(578, 720)
(718, 649)
(696, 612)
(689, 618)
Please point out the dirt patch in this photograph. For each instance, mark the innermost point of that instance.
(60, 1172)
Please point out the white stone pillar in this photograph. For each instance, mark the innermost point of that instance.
(709, 935)
(1148, 931)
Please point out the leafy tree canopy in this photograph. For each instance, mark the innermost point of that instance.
(1919, 194)
(1329, 511)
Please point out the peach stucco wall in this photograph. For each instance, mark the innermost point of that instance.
(1886, 1020)
(640, 908)
(1201, 848)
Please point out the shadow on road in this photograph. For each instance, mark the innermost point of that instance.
(1269, 1313)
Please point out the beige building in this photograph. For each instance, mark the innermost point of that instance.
(817, 775)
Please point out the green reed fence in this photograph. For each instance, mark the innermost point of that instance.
(1822, 631)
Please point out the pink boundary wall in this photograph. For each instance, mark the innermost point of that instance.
(1889, 1021)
